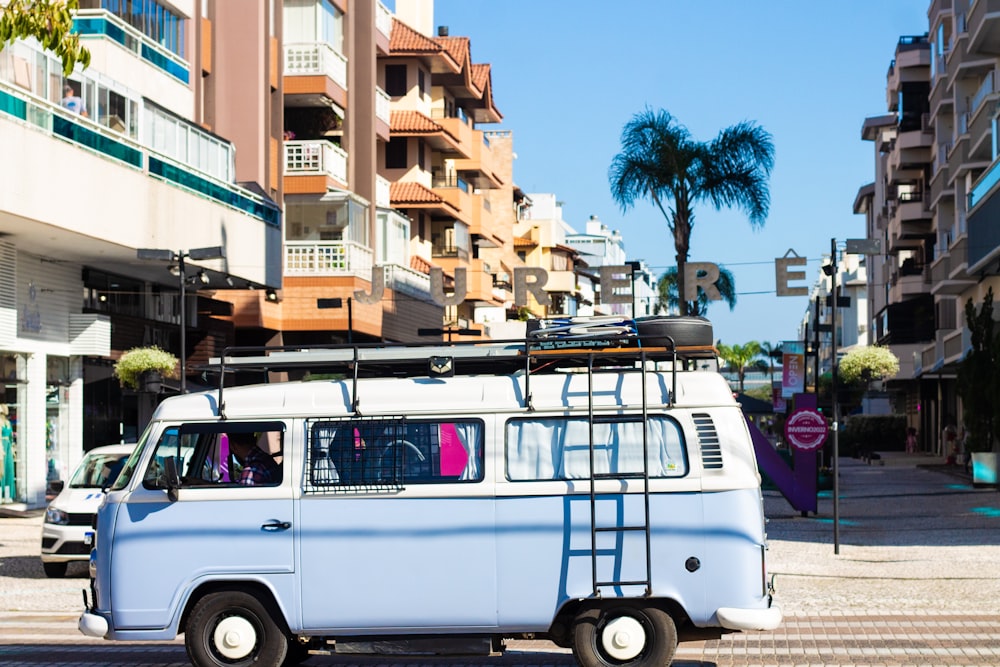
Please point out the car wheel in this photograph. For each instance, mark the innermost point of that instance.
(234, 629)
(624, 635)
(54, 570)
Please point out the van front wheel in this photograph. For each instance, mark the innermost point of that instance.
(233, 629)
(624, 635)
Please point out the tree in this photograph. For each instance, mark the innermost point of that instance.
(660, 161)
(979, 377)
(668, 299)
(738, 357)
(868, 363)
(48, 21)
(770, 350)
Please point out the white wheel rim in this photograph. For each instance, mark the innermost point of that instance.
(234, 637)
(623, 638)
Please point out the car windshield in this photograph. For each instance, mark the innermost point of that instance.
(97, 471)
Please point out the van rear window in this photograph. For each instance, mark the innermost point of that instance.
(555, 448)
(392, 452)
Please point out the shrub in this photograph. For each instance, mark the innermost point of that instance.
(136, 361)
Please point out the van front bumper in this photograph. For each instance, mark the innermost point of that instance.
(733, 618)
(93, 625)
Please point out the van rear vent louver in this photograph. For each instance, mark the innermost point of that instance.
(708, 440)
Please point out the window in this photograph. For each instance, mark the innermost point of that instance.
(421, 81)
(558, 448)
(153, 19)
(391, 452)
(395, 80)
(395, 154)
(220, 454)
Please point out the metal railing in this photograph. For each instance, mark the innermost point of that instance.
(316, 157)
(328, 258)
(316, 58)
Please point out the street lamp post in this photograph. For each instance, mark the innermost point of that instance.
(213, 252)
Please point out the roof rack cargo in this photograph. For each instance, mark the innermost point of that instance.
(560, 345)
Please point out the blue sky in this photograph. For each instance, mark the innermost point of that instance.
(568, 75)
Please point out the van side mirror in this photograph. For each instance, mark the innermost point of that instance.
(171, 477)
(56, 485)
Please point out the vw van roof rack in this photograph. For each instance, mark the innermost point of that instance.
(437, 359)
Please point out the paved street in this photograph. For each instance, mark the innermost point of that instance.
(915, 583)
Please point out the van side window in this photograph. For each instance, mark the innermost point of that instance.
(224, 453)
(554, 448)
(392, 452)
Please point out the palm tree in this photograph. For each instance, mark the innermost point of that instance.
(660, 161)
(768, 350)
(738, 357)
(668, 299)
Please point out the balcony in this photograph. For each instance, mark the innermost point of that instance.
(383, 189)
(98, 25)
(383, 114)
(984, 27)
(958, 156)
(459, 128)
(383, 27)
(908, 280)
(153, 200)
(479, 284)
(479, 169)
(949, 273)
(482, 224)
(454, 192)
(316, 72)
(912, 150)
(313, 167)
(984, 232)
(328, 258)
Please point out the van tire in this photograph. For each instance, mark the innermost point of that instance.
(245, 620)
(649, 636)
(55, 570)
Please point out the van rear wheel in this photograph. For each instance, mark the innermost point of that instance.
(624, 635)
(233, 629)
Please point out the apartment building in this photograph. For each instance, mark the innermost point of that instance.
(934, 204)
(138, 151)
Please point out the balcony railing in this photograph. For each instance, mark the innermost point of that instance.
(91, 136)
(407, 281)
(382, 105)
(316, 157)
(985, 88)
(984, 185)
(383, 19)
(328, 258)
(382, 197)
(316, 58)
(451, 181)
(102, 23)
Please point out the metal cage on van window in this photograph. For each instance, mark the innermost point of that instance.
(350, 454)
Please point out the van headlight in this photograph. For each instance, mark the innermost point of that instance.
(56, 516)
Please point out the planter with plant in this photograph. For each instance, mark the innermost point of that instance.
(143, 368)
(979, 386)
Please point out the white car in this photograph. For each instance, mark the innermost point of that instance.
(67, 532)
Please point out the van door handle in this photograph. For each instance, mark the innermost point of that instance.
(274, 526)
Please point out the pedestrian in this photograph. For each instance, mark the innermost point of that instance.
(911, 440)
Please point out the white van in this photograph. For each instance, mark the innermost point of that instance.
(440, 498)
(69, 518)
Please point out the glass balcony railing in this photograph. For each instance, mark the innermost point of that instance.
(984, 185)
(97, 23)
(88, 135)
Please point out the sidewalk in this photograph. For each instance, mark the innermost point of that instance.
(914, 537)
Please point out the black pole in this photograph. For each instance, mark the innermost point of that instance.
(833, 384)
(350, 322)
(183, 355)
(816, 350)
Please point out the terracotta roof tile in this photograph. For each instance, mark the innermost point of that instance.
(411, 193)
(523, 242)
(405, 39)
(481, 76)
(457, 48)
(412, 121)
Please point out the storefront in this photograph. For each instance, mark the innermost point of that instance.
(43, 339)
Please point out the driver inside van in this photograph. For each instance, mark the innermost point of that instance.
(259, 468)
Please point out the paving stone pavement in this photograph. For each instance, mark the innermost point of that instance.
(915, 583)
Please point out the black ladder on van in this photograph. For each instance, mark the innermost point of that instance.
(620, 528)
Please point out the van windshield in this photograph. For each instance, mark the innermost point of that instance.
(133, 460)
(97, 471)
